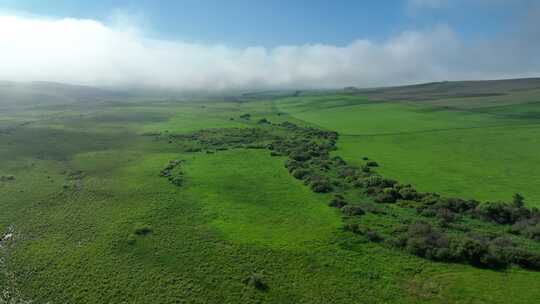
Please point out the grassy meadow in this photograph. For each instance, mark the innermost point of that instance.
(93, 222)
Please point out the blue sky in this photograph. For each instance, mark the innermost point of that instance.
(280, 22)
(261, 44)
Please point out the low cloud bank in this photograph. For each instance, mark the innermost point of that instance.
(89, 52)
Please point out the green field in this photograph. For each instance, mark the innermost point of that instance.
(486, 154)
(86, 183)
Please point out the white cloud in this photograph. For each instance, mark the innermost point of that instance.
(90, 52)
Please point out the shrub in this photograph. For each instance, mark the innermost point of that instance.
(352, 210)
(256, 280)
(374, 191)
(263, 121)
(321, 185)
(6, 178)
(339, 161)
(353, 227)
(526, 259)
(369, 207)
(470, 250)
(430, 198)
(372, 164)
(143, 230)
(425, 242)
(300, 173)
(373, 236)
(427, 212)
(446, 215)
(388, 195)
(347, 172)
(373, 181)
(178, 181)
(300, 156)
(502, 213)
(457, 205)
(408, 193)
(338, 202)
(518, 200)
(529, 228)
(131, 239)
(292, 165)
(422, 240)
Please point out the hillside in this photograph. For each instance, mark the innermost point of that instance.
(453, 89)
(50, 93)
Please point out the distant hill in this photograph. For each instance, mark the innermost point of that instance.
(451, 89)
(50, 93)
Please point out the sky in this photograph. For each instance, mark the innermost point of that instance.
(261, 44)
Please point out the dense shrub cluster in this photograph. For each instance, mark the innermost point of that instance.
(320, 184)
(523, 221)
(308, 152)
(219, 139)
(505, 213)
(423, 240)
(529, 228)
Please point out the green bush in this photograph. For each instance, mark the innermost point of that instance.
(300, 156)
(321, 185)
(256, 280)
(301, 173)
(388, 195)
(457, 205)
(408, 193)
(338, 201)
(518, 200)
(352, 210)
(339, 161)
(143, 230)
(373, 236)
(372, 164)
(502, 213)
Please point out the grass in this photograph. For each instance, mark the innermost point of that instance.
(239, 213)
(263, 206)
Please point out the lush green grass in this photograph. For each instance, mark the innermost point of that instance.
(255, 200)
(487, 153)
(238, 212)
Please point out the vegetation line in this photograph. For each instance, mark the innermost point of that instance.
(424, 224)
